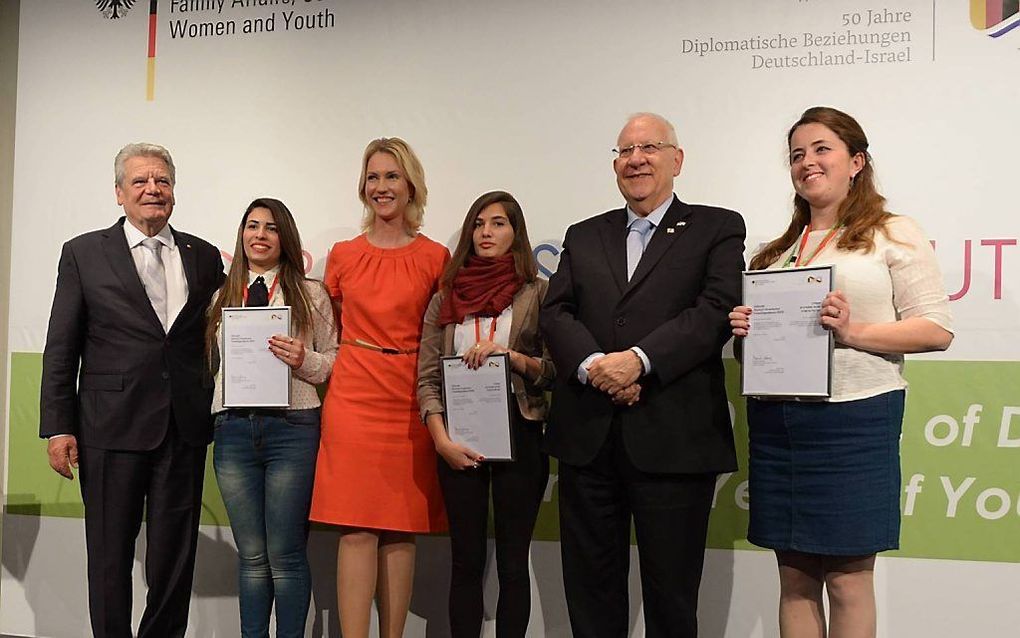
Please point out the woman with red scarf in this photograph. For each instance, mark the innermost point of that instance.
(488, 303)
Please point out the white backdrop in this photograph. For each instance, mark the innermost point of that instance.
(525, 96)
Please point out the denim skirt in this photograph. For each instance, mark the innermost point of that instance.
(825, 476)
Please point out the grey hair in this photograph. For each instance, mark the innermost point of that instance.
(670, 131)
(142, 149)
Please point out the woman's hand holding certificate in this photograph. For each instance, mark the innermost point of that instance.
(789, 351)
(477, 404)
(290, 350)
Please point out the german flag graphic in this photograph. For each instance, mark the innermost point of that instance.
(150, 71)
(995, 17)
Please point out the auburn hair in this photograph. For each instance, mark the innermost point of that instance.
(860, 214)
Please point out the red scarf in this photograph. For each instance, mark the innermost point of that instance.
(484, 286)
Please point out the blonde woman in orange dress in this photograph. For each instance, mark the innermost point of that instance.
(376, 472)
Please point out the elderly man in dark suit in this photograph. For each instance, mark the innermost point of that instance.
(126, 393)
(636, 318)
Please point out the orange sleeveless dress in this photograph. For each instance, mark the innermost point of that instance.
(377, 466)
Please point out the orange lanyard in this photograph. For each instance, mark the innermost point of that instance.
(269, 298)
(478, 329)
(803, 244)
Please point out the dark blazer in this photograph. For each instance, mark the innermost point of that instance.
(675, 309)
(437, 342)
(111, 375)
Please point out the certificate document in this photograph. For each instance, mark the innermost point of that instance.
(478, 406)
(252, 375)
(787, 352)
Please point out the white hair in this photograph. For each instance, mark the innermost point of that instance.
(670, 131)
(142, 149)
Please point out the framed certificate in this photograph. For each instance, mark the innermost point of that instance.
(477, 403)
(252, 375)
(787, 352)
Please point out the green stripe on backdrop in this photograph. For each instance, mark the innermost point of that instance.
(32, 487)
(961, 446)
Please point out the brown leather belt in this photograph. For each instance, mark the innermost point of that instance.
(359, 343)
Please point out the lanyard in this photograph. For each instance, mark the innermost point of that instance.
(269, 297)
(478, 330)
(803, 244)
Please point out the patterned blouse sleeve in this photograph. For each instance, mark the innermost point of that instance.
(321, 352)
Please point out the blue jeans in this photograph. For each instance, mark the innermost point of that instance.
(265, 465)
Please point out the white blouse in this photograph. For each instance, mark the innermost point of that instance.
(464, 333)
(899, 279)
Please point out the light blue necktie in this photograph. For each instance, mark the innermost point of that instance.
(637, 239)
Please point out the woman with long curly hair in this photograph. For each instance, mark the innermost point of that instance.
(825, 475)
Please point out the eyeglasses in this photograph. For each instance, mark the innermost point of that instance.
(648, 148)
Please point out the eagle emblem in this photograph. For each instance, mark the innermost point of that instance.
(114, 9)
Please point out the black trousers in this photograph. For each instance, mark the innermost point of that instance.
(670, 513)
(517, 490)
(117, 486)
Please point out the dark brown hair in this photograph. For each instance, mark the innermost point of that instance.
(863, 210)
(524, 259)
(291, 275)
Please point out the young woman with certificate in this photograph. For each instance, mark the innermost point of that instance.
(265, 457)
(825, 474)
(488, 304)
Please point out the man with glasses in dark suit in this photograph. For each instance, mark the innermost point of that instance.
(636, 318)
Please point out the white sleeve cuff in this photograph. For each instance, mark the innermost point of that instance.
(644, 359)
(582, 370)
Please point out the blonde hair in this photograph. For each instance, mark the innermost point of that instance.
(411, 167)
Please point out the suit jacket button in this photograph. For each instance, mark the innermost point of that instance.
(621, 321)
(166, 375)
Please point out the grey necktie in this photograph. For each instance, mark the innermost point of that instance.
(637, 239)
(154, 277)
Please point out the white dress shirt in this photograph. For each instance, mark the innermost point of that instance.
(655, 217)
(176, 282)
